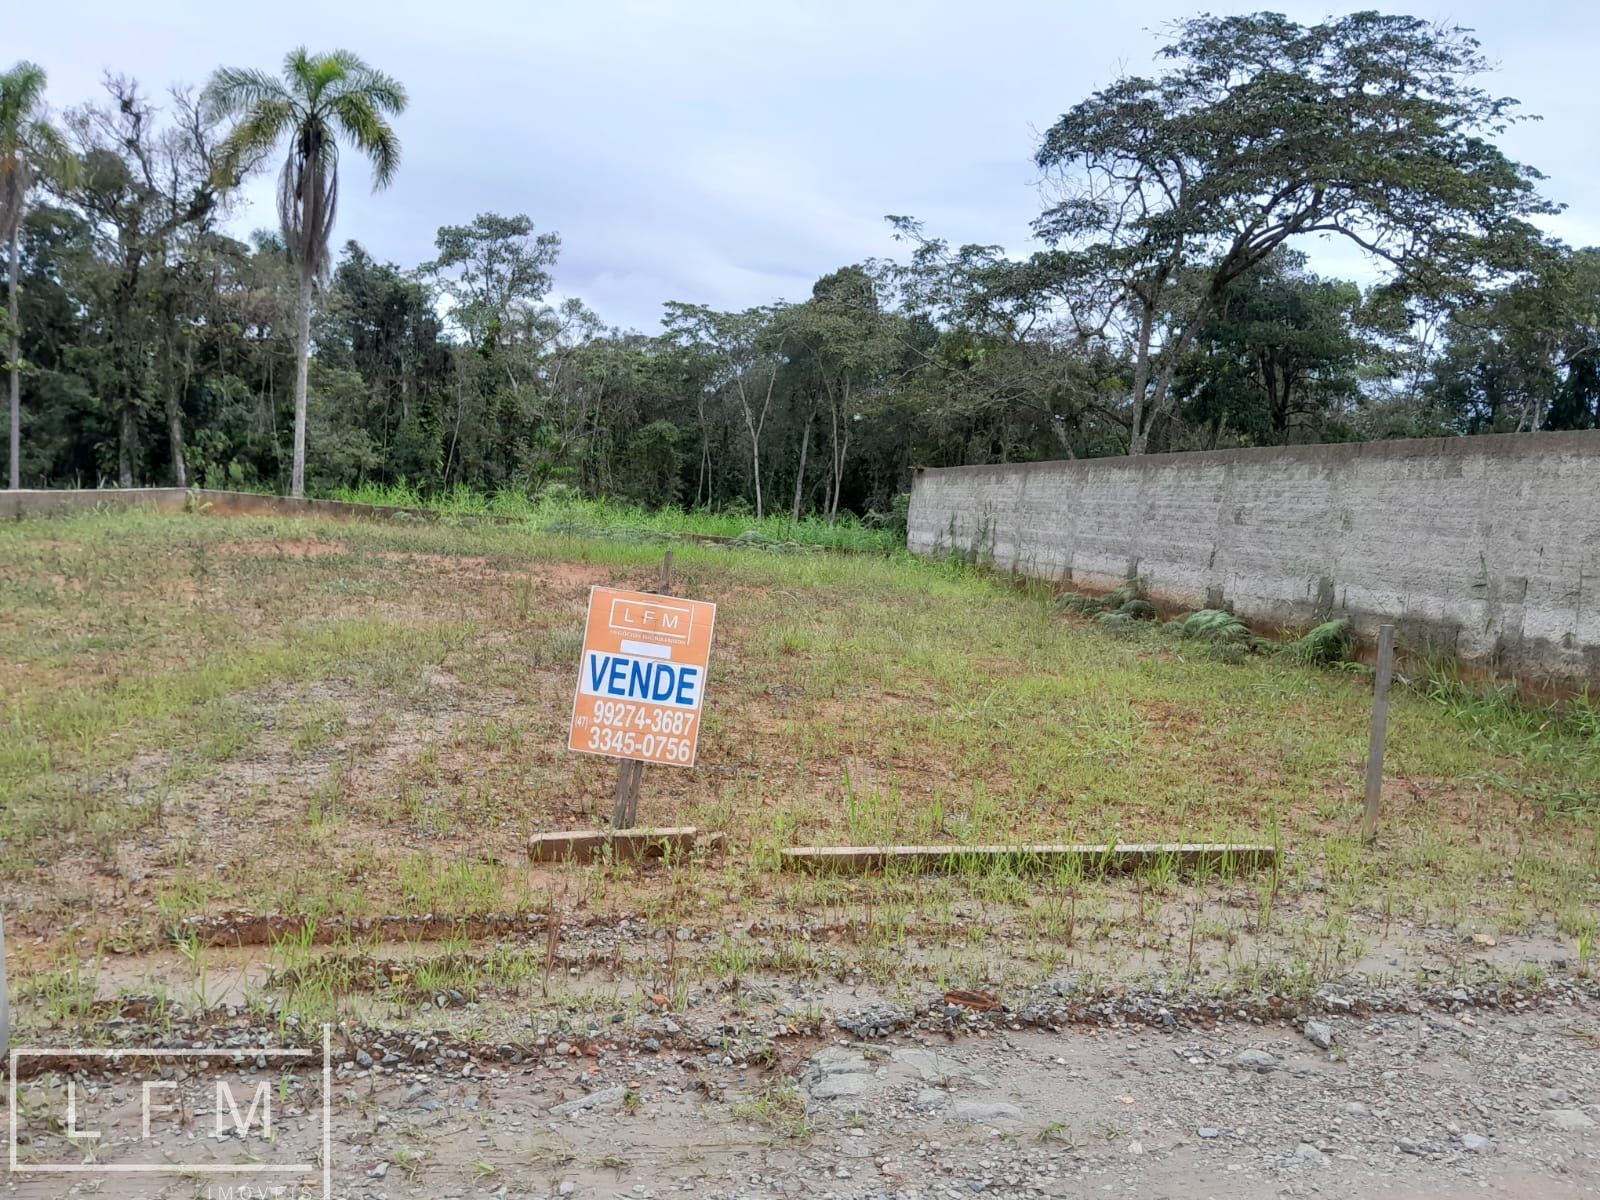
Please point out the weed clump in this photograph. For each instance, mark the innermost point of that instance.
(1116, 622)
(1214, 625)
(1081, 603)
(1134, 589)
(1128, 599)
(756, 539)
(1327, 644)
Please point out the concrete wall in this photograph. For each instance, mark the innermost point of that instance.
(51, 502)
(1484, 547)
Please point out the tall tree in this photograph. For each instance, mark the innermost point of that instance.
(319, 99)
(496, 274)
(29, 147)
(842, 343)
(491, 269)
(1011, 369)
(151, 192)
(1524, 356)
(748, 347)
(1278, 359)
(1363, 126)
(381, 323)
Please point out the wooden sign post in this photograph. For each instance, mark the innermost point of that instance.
(630, 772)
(641, 684)
(5, 997)
(1379, 735)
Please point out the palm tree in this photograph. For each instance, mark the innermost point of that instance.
(320, 98)
(29, 147)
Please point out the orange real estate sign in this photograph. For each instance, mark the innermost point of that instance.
(642, 679)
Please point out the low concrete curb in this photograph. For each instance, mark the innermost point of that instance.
(1183, 856)
(625, 845)
(59, 502)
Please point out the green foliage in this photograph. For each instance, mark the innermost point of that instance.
(32, 150)
(149, 335)
(895, 520)
(1082, 603)
(1127, 599)
(494, 270)
(652, 472)
(1280, 358)
(1528, 355)
(1214, 625)
(1564, 739)
(1133, 589)
(560, 509)
(1040, 731)
(319, 99)
(1327, 644)
(1232, 653)
(1173, 187)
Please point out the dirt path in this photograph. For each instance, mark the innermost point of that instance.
(1428, 1104)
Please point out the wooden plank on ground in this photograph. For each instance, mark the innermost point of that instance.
(626, 845)
(1184, 856)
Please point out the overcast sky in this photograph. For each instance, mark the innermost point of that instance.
(731, 151)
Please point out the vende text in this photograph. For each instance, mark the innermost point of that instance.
(621, 677)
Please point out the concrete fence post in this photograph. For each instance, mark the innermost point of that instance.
(1379, 735)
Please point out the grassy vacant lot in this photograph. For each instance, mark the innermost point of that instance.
(335, 721)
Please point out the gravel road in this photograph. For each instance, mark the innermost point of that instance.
(1438, 1102)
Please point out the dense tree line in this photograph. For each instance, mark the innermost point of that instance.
(1169, 306)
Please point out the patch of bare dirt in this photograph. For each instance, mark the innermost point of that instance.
(434, 560)
(285, 548)
(573, 577)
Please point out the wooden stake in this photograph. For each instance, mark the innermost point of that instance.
(626, 794)
(1380, 732)
(5, 999)
(630, 772)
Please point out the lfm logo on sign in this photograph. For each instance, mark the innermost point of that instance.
(653, 617)
(643, 677)
(91, 1114)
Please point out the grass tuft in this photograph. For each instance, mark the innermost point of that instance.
(1214, 625)
(1327, 644)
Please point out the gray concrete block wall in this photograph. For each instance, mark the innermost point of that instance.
(1484, 547)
